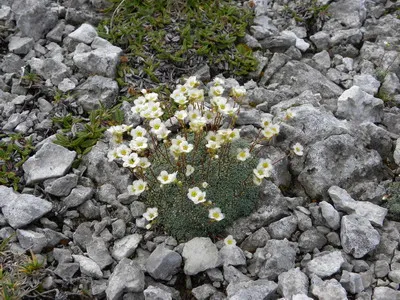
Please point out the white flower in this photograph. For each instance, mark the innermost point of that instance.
(275, 128)
(148, 226)
(156, 124)
(196, 95)
(143, 91)
(266, 164)
(144, 162)
(138, 132)
(271, 130)
(260, 172)
(265, 122)
(131, 160)
(180, 99)
(189, 170)
(163, 133)
(243, 154)
(218, 81)
(204, 185)
(192, 82)
(137, 187)
(196, 195)
(216, 214)
(181, 114)
(298, 149)
(166, 178)
(151, 97)
(123, 150)
(257, 181)
(230, 241)
(238, 91)
(182, 88)
(194, 114)
(213, 145)
(185, 147)
(234, 134)
(112, 154)
(289, 114)
(151, 213)
(216, 91)
(138, 144)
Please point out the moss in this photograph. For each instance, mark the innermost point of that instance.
(393, 201)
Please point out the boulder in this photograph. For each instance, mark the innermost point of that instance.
(200, 254)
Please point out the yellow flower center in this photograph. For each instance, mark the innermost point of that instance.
(215, 215)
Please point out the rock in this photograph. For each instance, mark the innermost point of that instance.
(97, 251)
(61, 186)
(326, 264)
(338, 160)
(88, 267)
(358, 106)
(22, 209)
(126, 246)
(231, 274)
(385, 293)
(200, 254)
(367, 83)
(11, 63)
(66, 85)
(31, 240)
(49, 162)
(311, 239)
(126, 277)
(138, 208)
(283, 228)
(84, 34)
(163, 263)
(330, 214)
(66, 270)
(396, 154)
(62, 255)
(107, 193)
(394, 276)
(204, 291)
(320, 40)
(155, 293)
(343, 201)
(232, 255)
(100, 61)
(357, 235)
(381, 268)
(78, 196)
(56, 34)
(323, 60)
(83, 235)
(20, 45)
(328, 289)
(276, 257)
(257, 239)
(49, 68)
(292, 282)
(34, 18)
(256, 290)
(118, 228)
(351, 14)
(352, 282)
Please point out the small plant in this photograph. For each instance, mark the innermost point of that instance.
(81, 135)
(14, 151)
(30, 79)
(31, 266)
(393, 201)
(202, 178)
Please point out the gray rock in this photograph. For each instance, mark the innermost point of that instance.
(333, 238)
(78, 196)
(138, 208)
(66, 85)
(232, 255)
(358, 106)
(61, 186)
(56, 34)
(90, 211)
(155, 293)
(204, 291)
(11, 63)
(356, 163)
(49, 68)
(328, 289)
(126, 277)
(381, 268)
(326, 264)
(323, 60)
(276, 257)
(97, 91)
(97, 250)
(84, 34)
(352, 282)
(22, 209)
(126, 246)
(215, 275)
(34, 18)
(396, 154)
(231, 274)
(394, 276)
(200, 254)
(118, 228)
(62, 255)
(284, 228)
(107, 193)
(88, 267)
(256, 290)
(163, 263)
(49, 162)
(20, 45)
(249, 117)
(367, 83)
(5, 12)
(83, 235)
(320, 40)
(385, 293)
(31, 240)
(66, 270)
(100, 61)
(351, 14)
(357, 235)
(278, 43)
(330, 214)
(292, 282)
(343, 201)
(257, 239)
(311, 239)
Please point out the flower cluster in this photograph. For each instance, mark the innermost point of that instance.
(199, 119)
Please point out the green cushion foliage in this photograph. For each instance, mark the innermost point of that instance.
(152, 32)
(393, 201)
(183, 219)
